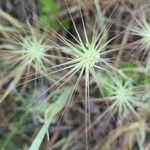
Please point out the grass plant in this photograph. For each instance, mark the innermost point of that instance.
(76, 67)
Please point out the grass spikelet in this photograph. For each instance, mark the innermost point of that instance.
(26, 54)
(141, 29)
(125, 96)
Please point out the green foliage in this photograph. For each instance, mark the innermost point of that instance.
(129, 69)
(48, 9)
(17, 127)
(50, 114)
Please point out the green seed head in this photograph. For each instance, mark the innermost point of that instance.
(90, 58)
(142, 29)
(124, 93)
(33, 50)
(144, 33)
(124, 96)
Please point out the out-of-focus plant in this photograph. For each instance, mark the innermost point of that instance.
(125, 96)
(141, 29)
(30, 52)
(48, 10)
(135, 132)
